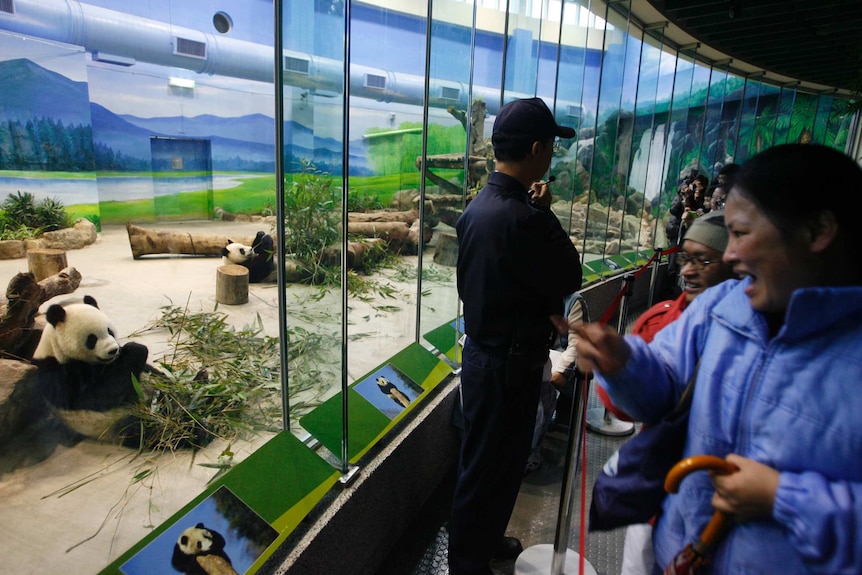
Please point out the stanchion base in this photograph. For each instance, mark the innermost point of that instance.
(539, 559)
(610, 425)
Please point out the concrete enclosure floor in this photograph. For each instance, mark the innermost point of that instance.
(92, 500)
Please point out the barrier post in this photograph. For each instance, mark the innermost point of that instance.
(599, 419)
(653, 278)
(545, 558)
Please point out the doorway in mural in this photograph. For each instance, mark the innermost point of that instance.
(182, 178)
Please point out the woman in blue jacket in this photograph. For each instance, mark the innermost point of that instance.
(778, 363)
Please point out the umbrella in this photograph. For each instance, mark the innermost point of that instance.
(695, 556)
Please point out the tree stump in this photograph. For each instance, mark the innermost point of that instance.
(46, 262)
(232, 285)
(446, 251)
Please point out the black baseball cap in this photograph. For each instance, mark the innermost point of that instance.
(526, 121)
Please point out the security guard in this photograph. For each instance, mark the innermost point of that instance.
(516, 264)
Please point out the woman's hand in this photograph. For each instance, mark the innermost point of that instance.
(601, 348)
(748, 493)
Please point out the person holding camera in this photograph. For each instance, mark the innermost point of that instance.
(515, 266)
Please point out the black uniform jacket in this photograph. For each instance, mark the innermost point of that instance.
(516, 264)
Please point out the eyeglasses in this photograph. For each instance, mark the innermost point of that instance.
(698, 262)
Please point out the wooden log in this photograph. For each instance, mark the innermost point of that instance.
(24, 296)
(231, 285)
(393, 232)
(66, 281)
(357, 252)
(446, 250)
(46, 262)
(384, 216)
(437, 200)
(149, 242)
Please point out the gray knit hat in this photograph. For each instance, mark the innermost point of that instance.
(709, 230)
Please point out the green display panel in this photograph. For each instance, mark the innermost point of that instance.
(377, 401)
(254, 507)
(445, 338)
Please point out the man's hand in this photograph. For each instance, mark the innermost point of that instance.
(561, 324)
(540, 194)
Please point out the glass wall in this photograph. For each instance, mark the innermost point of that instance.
(159, 135)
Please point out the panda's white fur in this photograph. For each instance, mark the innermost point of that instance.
(78, 331)
(195, 540)
(237, 253)
(200, 551)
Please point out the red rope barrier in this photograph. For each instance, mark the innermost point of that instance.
(612, 309)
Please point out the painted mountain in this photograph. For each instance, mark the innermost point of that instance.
(245, 143)
(30, 90)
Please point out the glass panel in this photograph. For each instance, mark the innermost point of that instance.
(785, 114)
(604, 183)
(715, 152)
(313, 201)
(732, 109)
(680, 146)
(677, 72)
(110, 135)
(578, 69)
(585, 149)
(698, 115)
(614, 140)
(802, 120)
(647, 156)
(840, 121)
(765, 121)
(453, 49)
(745, 132)
(821, 121)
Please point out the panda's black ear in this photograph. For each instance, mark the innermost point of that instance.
(200, 526)
(90, 300)
(55, 314)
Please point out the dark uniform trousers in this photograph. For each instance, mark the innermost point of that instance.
(498, 431)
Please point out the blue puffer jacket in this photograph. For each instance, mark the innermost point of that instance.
(793, 402)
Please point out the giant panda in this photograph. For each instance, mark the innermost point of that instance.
(85, 374)
(200, 551)
(257, 257)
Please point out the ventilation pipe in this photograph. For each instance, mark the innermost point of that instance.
(124, 39)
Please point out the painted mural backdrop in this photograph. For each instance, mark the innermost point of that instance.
(78, 125)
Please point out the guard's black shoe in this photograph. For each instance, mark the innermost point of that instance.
(508, 549)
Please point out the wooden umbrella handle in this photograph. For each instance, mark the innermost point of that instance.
(720, 522)
(691, 464)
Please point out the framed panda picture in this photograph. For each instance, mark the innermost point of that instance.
(389, 390)
(220, 535)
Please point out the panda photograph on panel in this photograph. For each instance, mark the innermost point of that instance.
(200, 551)
(257, 257)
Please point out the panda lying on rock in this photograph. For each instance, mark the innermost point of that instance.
(257, 257)
(86, 376)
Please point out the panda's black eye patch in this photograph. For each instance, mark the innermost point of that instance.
(110, 332)
(184, 540)
(91, 341)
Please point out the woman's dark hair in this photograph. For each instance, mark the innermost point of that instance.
(793, 183)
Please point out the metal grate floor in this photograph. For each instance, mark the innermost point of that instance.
(534, 520)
